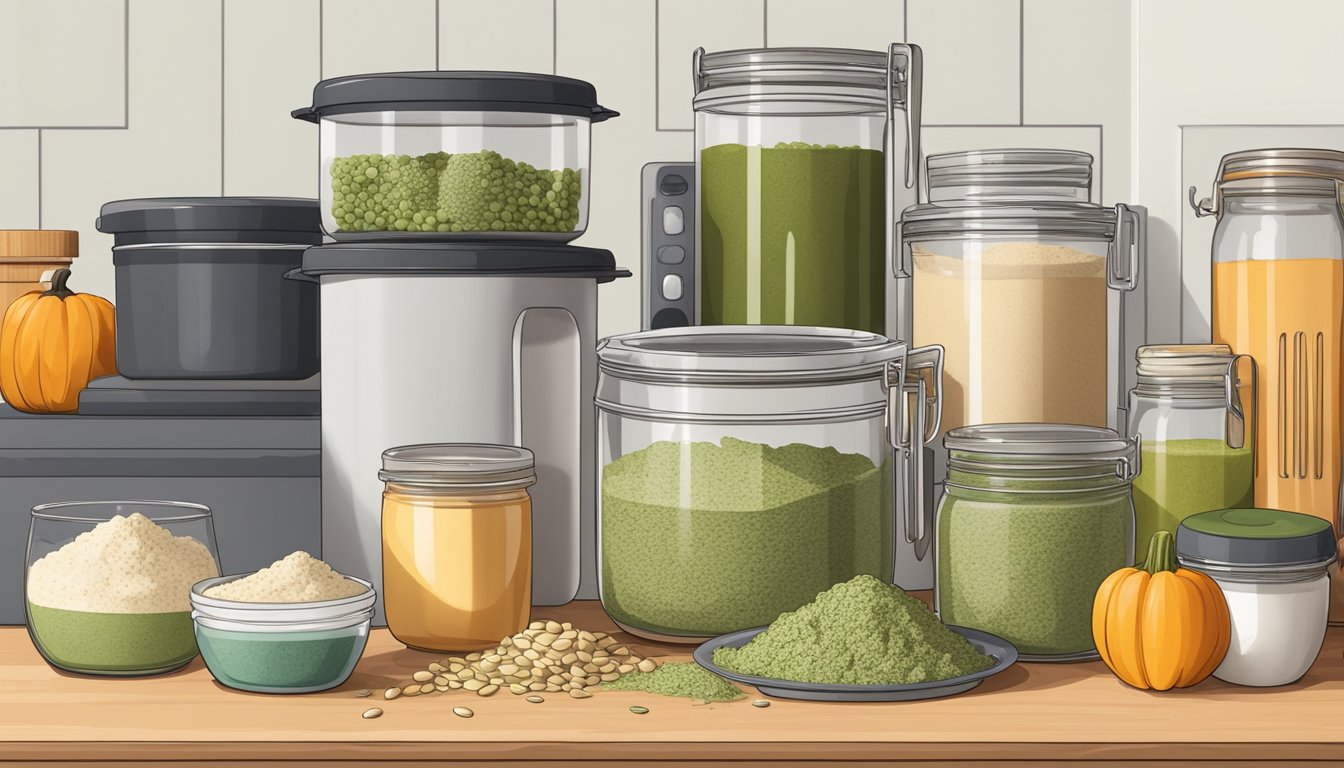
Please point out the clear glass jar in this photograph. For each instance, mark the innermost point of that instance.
(143, 625)
(744, 469)
(1033, 518)
(798, 152)
(457, 544)
(470, 155)
(1278, 296)
(1273, 569)
(1188, 407)
(1015, 281)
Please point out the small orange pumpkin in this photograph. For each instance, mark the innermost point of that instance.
(1161, 626)
(52, 344)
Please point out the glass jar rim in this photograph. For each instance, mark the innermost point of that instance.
(188, 510)
(461, 466)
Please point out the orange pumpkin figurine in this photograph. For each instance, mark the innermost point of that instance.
(52, 344)
(1161, 626)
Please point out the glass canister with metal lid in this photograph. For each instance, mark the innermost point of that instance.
(745, 469)
(1033, 518)
(803, 157)
(1018, 276)
(1278, 296)
(1198, 453)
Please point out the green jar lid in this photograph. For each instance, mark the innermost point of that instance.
(1255, 538)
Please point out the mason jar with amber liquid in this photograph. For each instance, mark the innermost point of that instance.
(457, 544)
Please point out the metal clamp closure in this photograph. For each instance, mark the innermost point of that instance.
(1236, 413)
(906, 85)
(916, 373)
(1130, 240)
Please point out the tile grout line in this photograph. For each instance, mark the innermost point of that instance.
(39, 178)
(126, 64)
(905, 20)
(437, 41)
(1021, 62)
(657, 69)
(765, 23)
(222, 148)
(321, 38)
(555, 37)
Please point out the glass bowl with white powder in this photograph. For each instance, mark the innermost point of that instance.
(296, 626)
(108, 583)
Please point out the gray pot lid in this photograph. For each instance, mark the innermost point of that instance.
(466, 259)
(274, 215)
(749, 351)
(453, 92)
(1268, 539)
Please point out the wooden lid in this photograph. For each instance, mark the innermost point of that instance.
(37, 244)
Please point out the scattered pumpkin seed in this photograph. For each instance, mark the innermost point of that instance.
(422, 677)
(762, 703)
(462, 712)
(371, 713)
(640, 710)
(391, 693)
(363, 693)
(534, 699)
(579, 693)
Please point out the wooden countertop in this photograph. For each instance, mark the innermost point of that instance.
(1032, 712)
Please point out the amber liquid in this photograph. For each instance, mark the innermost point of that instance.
(457, 571)
(1288, 314)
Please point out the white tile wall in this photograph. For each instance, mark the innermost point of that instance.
(198, 102)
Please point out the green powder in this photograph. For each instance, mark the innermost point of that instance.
(292, 662)
(1026, 566)
(862, 632)
(438, 192)
(687, 680)
(793, 234)
(1183, 477)
(112, 643)
(700, 539)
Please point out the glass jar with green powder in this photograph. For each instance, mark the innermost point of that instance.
(746, 469)
(1033, 518)
(804, 155)
(1188, 405)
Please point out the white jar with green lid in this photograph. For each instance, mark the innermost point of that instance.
(1273, 568)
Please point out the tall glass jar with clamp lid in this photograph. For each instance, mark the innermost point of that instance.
(1197, 453)
(803, 158)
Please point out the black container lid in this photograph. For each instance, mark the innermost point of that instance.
(466, 259)
(1255, 539)
(282, 220)
(455, 91)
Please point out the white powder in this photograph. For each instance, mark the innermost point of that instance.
(127, 564)
(299, 578)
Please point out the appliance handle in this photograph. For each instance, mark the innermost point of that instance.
(298, 274)
(917, 372)
(1129, 247)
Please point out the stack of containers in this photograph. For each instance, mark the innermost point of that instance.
(1022, 279)
(456, 312)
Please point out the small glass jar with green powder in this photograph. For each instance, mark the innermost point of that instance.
(1197, 455)
(745, 469)
(1033, 518)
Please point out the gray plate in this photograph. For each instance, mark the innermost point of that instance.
(1002, 651)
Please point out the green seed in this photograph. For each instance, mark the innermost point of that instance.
(640, 710)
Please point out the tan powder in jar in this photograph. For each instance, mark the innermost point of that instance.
(1024, 328)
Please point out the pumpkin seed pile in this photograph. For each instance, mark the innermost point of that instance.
(548, 656)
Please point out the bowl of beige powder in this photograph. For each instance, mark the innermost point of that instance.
(296, 626)
(108, 584)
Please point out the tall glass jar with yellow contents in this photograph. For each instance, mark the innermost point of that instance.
(457, 543)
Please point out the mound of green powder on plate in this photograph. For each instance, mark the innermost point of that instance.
(861, 632)
(687, 680)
